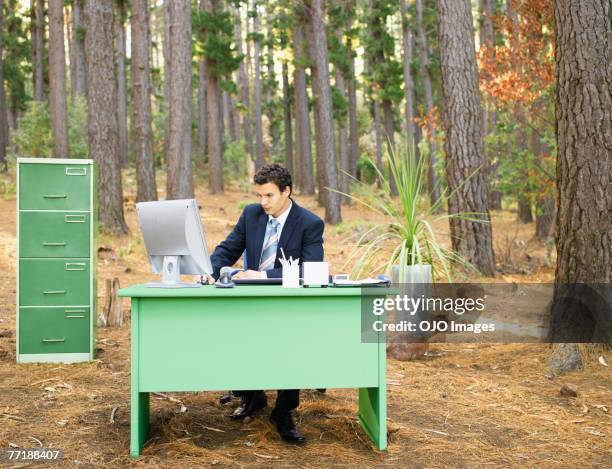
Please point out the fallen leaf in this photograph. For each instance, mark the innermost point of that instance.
(602, 361)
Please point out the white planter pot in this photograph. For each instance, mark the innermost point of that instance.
(418, 273)
(414, 283)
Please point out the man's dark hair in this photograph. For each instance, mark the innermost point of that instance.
(274, 173)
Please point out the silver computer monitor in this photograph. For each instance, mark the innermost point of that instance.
(174, 239)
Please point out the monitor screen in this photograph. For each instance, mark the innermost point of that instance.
(174, 228)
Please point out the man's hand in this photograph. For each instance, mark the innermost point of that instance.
(246, 274)
(206, 279)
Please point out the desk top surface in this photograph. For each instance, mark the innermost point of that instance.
(142, 291)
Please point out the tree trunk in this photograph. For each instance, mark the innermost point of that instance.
(418, 133)
(229, 116)
(243, 82)
(259, 146)
(249, 55)
(3, 126)
(103, 129)
(167, 52)
(323, 102)
(57, 79)
(433, 181)
(287, 117)
(408, 85)
(343, 150)
(524, 209)
(545, 217)
(269, 86)
(180, 177)
(545, 204)
(38, 47)
(378, 139)
(141, 99)
(214, 119)
(464, 139)
(302, 113)
(583, 114)
(584, 153)
(221, 116)
(490, 115)
(79, 84)
(202, 124)
(121, 82)
(69, 42)
(352, 106)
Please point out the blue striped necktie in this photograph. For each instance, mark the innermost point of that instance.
(268, 251)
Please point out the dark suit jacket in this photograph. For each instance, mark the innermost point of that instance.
(302, 237)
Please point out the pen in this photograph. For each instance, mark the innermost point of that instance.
(283, 253)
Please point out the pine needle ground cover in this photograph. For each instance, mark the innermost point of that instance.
(463, 405)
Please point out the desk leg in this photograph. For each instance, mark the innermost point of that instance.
(373, 415)
(373, 401)
(139, 428)
(139, 412)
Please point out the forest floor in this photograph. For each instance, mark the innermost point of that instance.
(463, 405)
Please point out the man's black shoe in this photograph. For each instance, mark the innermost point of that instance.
(250, 406)
(226, 398)
(286, 428)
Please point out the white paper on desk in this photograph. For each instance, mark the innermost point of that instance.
(359, 283)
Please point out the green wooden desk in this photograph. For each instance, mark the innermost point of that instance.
(199, 339)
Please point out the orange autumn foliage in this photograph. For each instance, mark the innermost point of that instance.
(521, 70)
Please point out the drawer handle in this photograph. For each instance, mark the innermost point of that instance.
(47, 243)
(54, 292)
(75, 316)
(76, 171)
(63, 339)
(70, 266)
(75, 218)
(54, 196)
(69, 311)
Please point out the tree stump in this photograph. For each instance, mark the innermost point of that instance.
(112, 312)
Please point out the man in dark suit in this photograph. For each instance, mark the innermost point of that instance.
(262, 230)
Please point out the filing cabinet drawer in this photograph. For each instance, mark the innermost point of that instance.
(54, 187)
(54, 234)
(54, 282)
(54, 330)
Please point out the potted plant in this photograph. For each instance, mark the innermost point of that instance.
(417, 256)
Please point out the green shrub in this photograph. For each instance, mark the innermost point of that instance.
(34, 134)
(235, 161)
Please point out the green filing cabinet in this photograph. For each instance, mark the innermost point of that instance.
(56, 260)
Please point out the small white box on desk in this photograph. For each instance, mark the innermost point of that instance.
(316, 274)
(291, 276)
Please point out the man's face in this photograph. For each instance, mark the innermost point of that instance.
(272, 200)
